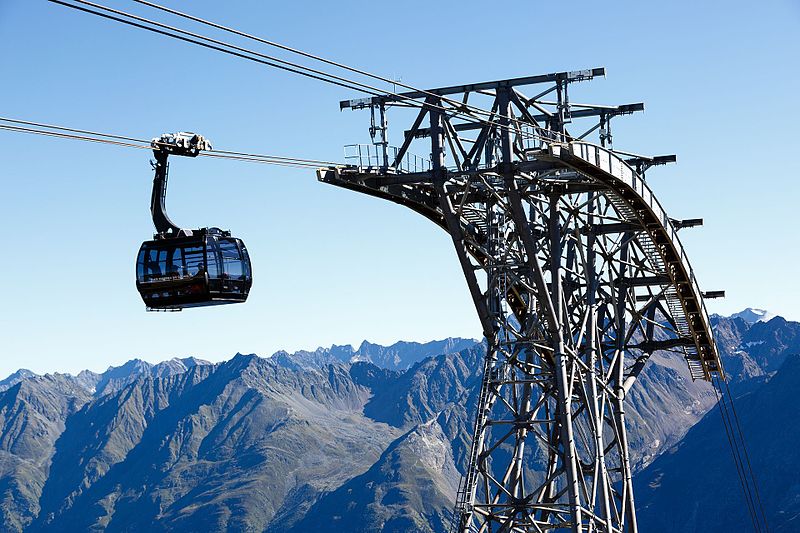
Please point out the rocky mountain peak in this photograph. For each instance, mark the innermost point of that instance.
(752, 315)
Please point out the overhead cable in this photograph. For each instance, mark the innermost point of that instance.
(741, 461)
(463, 110)
(746, 453)
(50, 130)
(198, 40)
(315, 57)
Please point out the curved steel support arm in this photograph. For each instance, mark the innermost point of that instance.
(181, 143)
(158, 208)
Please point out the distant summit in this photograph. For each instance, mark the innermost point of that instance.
(16, 377)
(751, 316)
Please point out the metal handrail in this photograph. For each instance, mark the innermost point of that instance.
(368, 156)
(612, 164)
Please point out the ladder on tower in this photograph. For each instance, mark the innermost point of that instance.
(465, 486)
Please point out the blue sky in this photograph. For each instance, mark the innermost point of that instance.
(719, 79)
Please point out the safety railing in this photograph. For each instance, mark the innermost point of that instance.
(371, 156)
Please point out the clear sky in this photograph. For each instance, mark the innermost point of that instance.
(720, 81)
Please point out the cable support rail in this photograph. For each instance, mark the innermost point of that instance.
(296, 68)
(63, 132)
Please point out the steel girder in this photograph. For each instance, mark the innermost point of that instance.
(577, 276)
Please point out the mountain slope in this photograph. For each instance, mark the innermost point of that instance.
(33, 413)
(324, 441)
(215, 448)
(694, 486)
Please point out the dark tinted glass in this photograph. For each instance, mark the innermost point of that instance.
(193, 261)
(231, 259)
(140, 265)
(212, 258)
(168, 261)
(245, 261)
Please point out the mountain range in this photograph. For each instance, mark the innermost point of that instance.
(361, 439)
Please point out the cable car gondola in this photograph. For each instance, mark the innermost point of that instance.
(188, 268)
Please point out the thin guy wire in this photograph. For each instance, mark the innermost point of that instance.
(736, 458)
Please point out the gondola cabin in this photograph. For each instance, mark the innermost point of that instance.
(209, 267)
(187, 268)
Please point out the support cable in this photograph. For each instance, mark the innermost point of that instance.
(737, 459)
(314, 57)
(746, 455)
(23, 126)
(217, 45)
(295, 68)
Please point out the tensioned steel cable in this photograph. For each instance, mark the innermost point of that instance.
(293, 67)
(289, 66)
(20, 129)
(750, 497)
(746, 454)
(23, 126)
(273, 62)
(94, 136)
(314, 57)
(736, 458)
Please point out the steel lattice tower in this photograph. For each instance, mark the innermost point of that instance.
(577, 275)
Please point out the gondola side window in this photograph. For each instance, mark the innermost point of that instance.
(193, 261)
(155, 263)
(231, 259)
(246, 262)
(212, 258)
(175, 262)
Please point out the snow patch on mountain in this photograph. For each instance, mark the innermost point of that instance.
(752, 315)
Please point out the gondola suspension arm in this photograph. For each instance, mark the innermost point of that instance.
(182, 143)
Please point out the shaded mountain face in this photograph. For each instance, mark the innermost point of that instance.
(694, 486)
(33, 413)
(312, 441)
(758, 349)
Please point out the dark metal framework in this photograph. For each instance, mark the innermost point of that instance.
(577, 275)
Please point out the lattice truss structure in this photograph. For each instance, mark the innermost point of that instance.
(577, 275)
